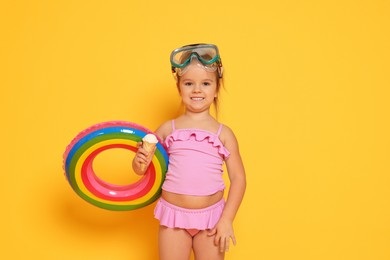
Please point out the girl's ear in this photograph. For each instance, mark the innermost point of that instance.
(178, 86)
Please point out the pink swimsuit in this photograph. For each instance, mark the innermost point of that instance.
(195, 168)
(195, 162)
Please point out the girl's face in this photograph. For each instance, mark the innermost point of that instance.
(198, 88)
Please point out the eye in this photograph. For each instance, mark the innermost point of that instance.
(206, 83)
(188, 84)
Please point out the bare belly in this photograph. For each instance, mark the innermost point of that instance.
(191, 202)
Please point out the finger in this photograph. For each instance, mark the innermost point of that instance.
(139, 144)
(227, 244)
(234, 240)
(141, 158)
(222, 245)
(217, 240)
(212, 232)
(143, 152)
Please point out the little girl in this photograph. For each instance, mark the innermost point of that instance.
(192, 211)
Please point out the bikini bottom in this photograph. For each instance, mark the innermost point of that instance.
(192, 220)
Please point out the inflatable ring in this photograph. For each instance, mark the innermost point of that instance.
(83, 149)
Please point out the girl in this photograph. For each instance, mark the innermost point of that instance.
(192, 211)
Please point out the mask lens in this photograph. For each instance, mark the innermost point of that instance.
(181, 58)
(207, 55)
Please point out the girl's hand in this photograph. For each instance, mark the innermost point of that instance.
(223, 232)
(141, 158)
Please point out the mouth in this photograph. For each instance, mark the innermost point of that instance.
(197, 98)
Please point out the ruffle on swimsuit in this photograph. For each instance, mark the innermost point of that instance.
(173, 216)
(197, 135)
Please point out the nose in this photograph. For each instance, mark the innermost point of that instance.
(196, 88)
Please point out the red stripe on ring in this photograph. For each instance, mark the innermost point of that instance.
(113, 192)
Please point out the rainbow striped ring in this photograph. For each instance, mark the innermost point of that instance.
(83, 149)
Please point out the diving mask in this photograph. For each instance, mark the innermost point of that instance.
(206, 55)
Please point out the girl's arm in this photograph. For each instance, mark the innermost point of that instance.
(224, 229)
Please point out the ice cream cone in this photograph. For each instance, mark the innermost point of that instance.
(148, 143)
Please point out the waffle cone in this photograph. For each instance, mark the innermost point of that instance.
(149, 148)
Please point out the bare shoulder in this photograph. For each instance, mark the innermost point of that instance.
(164, 130)
(228, 137)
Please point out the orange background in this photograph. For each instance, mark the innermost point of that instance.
(307, 94)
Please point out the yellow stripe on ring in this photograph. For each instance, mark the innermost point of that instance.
(83, 188)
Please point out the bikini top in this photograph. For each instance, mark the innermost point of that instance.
(195, 162)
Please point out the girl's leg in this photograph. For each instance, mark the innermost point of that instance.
(204, 247)
(174, 244)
